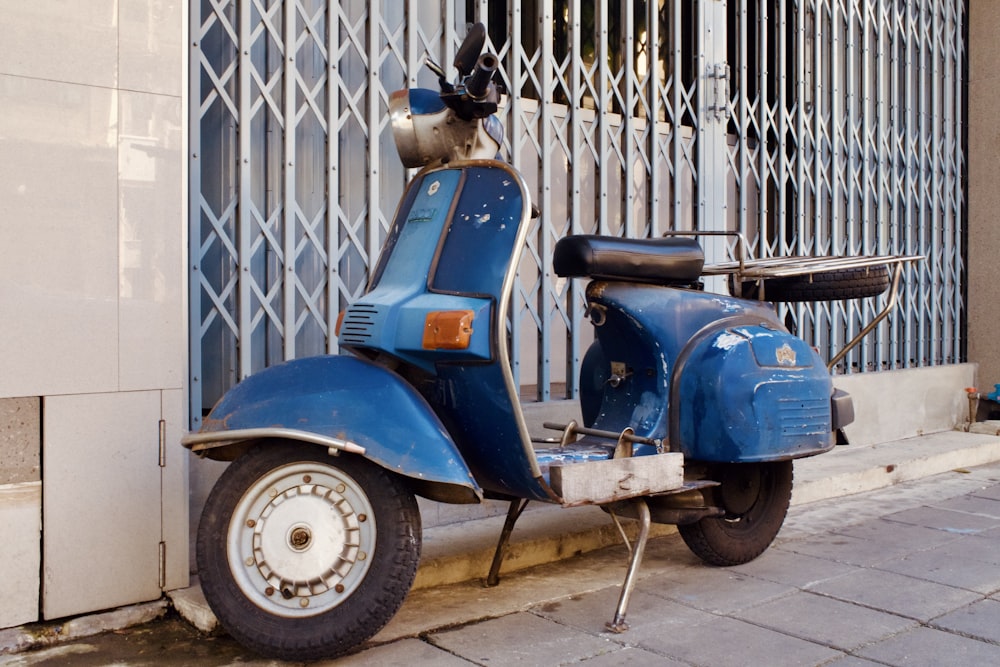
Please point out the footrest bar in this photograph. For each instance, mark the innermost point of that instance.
(610, 435)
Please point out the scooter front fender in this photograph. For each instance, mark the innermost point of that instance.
(346, 404)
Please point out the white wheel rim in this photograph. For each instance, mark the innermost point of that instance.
(300, 539)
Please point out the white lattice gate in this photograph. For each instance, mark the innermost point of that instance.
(813, 127)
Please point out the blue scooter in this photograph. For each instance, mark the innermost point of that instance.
(693, 404)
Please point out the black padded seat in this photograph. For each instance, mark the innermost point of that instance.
(662, 261)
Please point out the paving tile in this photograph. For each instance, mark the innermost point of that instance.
(522, 638)
(988, 492)
(449, 606)
(629, 656)
(714, 589)
(932, 648)
(896, 536)
(980, 620)
(986, 507)
(826, 621)
(403, 653)
(984, 548)
(896, 593)
(835, 548)
(793, 569)
(646, 613)
(868, 543)
(851, 661)
(949, 521)
(727, 642)
(950, 566)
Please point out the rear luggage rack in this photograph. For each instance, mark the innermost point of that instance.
(774, 268)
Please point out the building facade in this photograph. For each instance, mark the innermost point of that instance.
(193, 191)
(93, 489)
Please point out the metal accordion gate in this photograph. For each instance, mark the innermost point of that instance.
(827, 127)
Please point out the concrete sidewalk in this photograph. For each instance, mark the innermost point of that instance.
(547, 534)
(908, 574)
(909, 413)
(464, 551)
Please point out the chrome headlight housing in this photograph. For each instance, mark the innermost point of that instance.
(426, 130)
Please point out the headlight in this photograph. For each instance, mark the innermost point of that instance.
(405, 106)
(426, 130)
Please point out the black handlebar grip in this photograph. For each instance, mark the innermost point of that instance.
(479, 83)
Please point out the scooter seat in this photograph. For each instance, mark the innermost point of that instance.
(663, 261)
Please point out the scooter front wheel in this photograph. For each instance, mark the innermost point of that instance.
(755, 499)
(304, 556)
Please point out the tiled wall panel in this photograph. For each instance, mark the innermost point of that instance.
(55, 40)
(59, 277)
(101, 501)
(175, 512)
(20, 528)
(151, 336)
(91, 162)
(149, 46)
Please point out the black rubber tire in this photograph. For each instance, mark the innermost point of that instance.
(755, 497)
(836, 285)
(379, 553)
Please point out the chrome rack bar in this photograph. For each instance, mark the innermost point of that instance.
(889, 305)
(741, 245)
(783, 267)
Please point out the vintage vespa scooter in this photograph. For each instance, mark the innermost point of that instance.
(693, 404)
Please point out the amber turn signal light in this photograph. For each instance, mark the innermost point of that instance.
(448, 329)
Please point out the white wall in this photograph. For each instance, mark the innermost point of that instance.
(92, 290)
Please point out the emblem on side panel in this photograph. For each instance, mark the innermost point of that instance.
(435, 186)
(785, 355)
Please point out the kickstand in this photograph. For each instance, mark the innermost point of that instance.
(513, 512)
(618, 624)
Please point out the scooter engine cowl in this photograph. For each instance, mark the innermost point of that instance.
(753, 393)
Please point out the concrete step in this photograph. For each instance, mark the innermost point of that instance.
(547, 533)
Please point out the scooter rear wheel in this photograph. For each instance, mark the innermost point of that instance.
(755, 498)
(304, 556)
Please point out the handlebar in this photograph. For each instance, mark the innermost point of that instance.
(478, 84)
(472, 46)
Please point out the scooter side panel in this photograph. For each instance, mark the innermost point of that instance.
(354, 400)
(717, 377)
(752, 393)
(643, 330)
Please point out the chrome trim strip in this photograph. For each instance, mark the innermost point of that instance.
(199, 442)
